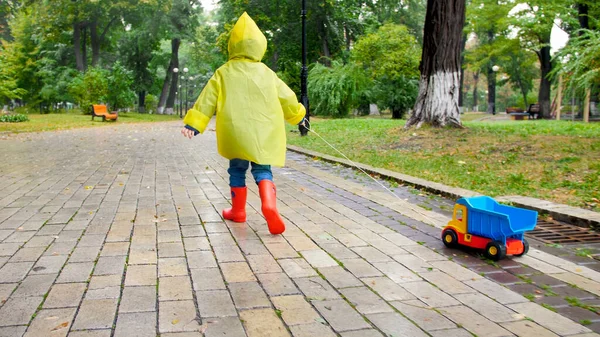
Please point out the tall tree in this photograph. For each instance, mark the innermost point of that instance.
(535, 20)
(437, 103)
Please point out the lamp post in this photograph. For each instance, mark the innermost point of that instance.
(187, 91)
(176, 71)
(304, 72)
(185, 71)
(180, 100)
(492, 88)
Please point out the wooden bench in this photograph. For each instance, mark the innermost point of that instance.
(102, 111)
(518, 116)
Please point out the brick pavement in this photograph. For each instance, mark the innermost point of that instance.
(117, 232)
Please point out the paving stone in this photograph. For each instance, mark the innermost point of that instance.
(262, 264)
(12, 331)
(177, 316)
(110, 265)
(372, 255)
(397, 272)
(295, 268)
(423, 315)
(340, 315)
(173, 266)
(339, 251)
(207, 279)
(221, 239)
(18, 311)
(60, 248)
(394, 324)
(9, 249)
(192, 231)
(34, 285)
(300, 243)
(252, 247)
(316, 289)
(350, 240)
(248, 295)
(580, 281)
(65, 295)
(215, 303)
(277, 284)
(281, 250)
(104, 287)
(85, 254)
(388, 247)
(360, 268)
(115, 249)
(489, 308)
(295, 310)
(319, 258)
(39, 241)
(138, 299)
(456, 271)
(201, 259)
(142, 256)
(548, 319)
(314, 329)
(262, 322)
(388, 289)
(28, 254)
(224, 326)
(365, 301)
(51, 322)
(91, 240)
(5, 291)
(237, 272)
(174, 288)
(141, 275)
(473, 322)
(75, 272)
(429, 294)
(496, 291)
(447, 283)
(168, 236)
(196, 243)
(14, 272)
(340, 278)
(140, 324)
(228, 254)
(451, 333)
(527, 328)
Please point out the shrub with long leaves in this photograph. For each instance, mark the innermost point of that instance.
(582, 61)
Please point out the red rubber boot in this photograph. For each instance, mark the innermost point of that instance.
(237, 213)
(266, 189)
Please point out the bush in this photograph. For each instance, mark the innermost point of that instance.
(337, 90)
(16, 118)
(90, 88)
(151, 104)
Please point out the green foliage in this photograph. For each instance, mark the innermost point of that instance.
(336, 90)
(119, 94)
(90, 88)
(16, 118)
(391, 56)
(151, 103)
(582, 61)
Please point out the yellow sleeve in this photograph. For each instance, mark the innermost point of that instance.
(293, 112)
(204, 108)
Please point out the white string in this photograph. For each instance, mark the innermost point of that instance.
(309, 128)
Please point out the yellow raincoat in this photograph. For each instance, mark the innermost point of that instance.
(251, 102)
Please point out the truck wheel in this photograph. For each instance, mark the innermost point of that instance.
(450, 239)
(525, 248)
(495, 251)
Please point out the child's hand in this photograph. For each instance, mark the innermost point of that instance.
(187, 133)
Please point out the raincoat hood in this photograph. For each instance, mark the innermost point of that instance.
(246, 40)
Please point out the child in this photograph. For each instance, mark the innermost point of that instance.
(251, 104)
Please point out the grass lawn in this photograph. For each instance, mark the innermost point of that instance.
(63, 121)
(552, 160)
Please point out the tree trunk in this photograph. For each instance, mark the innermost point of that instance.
(544, 93)
(324, 44)
(437, 102)
(142, 101)
(174, 80)
(475, 91)
(77, 46)
(491, 77)
(347, 34)
(84, 47)
(95, 43)
(396, 114)
(462, 72)
(583, 10)
(162, 100)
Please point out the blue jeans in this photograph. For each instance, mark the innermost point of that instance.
(237, 172)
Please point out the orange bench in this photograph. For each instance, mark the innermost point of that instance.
(102, 111)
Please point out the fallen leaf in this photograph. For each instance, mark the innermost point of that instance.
(175, 321)
(51, 318)
(89, 187)
(61, 326)
(538, 291)
(203, 328)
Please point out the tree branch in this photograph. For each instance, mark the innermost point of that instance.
(107, 27)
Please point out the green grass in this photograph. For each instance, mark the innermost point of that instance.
(552, 160)
(72, 120)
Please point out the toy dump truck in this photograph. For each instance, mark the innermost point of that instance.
(483, 223)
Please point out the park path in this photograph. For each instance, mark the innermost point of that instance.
(117, 232)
